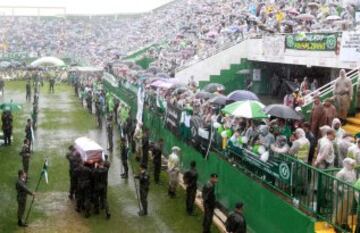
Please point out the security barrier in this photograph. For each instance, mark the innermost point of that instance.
(280, 193)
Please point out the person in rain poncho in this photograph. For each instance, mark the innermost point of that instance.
(300, 150)
(345, 193)
(354, 151)
(138, 135)
(323, 130)
(280, 146)
(343, 92)
(343, 146)
(326, 153)
(336, 125)
(317, 117)
(265, 137)
(173, 171)
(329, 111)
(301, 146)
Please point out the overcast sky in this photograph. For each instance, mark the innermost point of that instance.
(82, 6)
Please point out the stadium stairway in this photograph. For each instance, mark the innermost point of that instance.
(231, 78)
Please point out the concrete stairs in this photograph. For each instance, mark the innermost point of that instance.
(353, 124)
(230, 78)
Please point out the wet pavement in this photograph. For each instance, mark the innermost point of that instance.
(61, 120)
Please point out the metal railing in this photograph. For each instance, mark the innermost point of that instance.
(326, 91)
(315, 192)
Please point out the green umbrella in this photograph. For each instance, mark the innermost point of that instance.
(250, 109)
(10, 107)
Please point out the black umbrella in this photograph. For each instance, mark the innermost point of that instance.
(241, 95)
(282, 111)
(214, 87)
(204, 95)
(180, 90)
(219, 100)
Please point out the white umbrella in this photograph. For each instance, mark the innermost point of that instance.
(333, 18)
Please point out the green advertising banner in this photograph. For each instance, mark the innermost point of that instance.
(274, 167)
(311, 41)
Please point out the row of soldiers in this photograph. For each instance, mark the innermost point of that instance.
(139, 138)
(88, 184)
(235, 222)
(26, 150)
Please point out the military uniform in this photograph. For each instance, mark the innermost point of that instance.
(52, 85)
(73, 163)
(109, 131)
(236, 223)
(144, 181)
(209, 200)
(190, 179)
(7, 119)
(124, 157)
(145, 149)
(25, 155)
(22, 192)
(83, 175)
(100, 175)
(28, 132)
(157, 153)
(28, 91)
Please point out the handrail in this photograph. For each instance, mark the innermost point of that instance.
(327, 88)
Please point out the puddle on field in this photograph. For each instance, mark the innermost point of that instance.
(61, 215)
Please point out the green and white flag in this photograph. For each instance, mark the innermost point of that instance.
(44, 171)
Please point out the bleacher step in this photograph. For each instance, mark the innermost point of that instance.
(354, 120)
(352, 129)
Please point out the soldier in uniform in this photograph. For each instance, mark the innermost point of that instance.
(144, 181)
(190, 179)
(22, 192)
(52, 85)
(83, 174)
(98, 113)
(236, 223)
(124, 157)
(28, 131)
(74, 160)
(25, 155)
(89, 101)
(2, 85)
(109, 131)
(7, 120)
(157, 153)
(100, 174)
(28, 90)
(145, 147)
(209, 201)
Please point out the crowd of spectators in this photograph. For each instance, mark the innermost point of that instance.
(184, 30)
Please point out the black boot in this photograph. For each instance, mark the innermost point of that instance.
(21, 224)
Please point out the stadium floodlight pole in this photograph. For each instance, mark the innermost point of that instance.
(33, 198)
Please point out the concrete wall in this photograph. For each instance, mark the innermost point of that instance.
(256, 50)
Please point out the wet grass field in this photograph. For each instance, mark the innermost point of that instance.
(62, 119)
